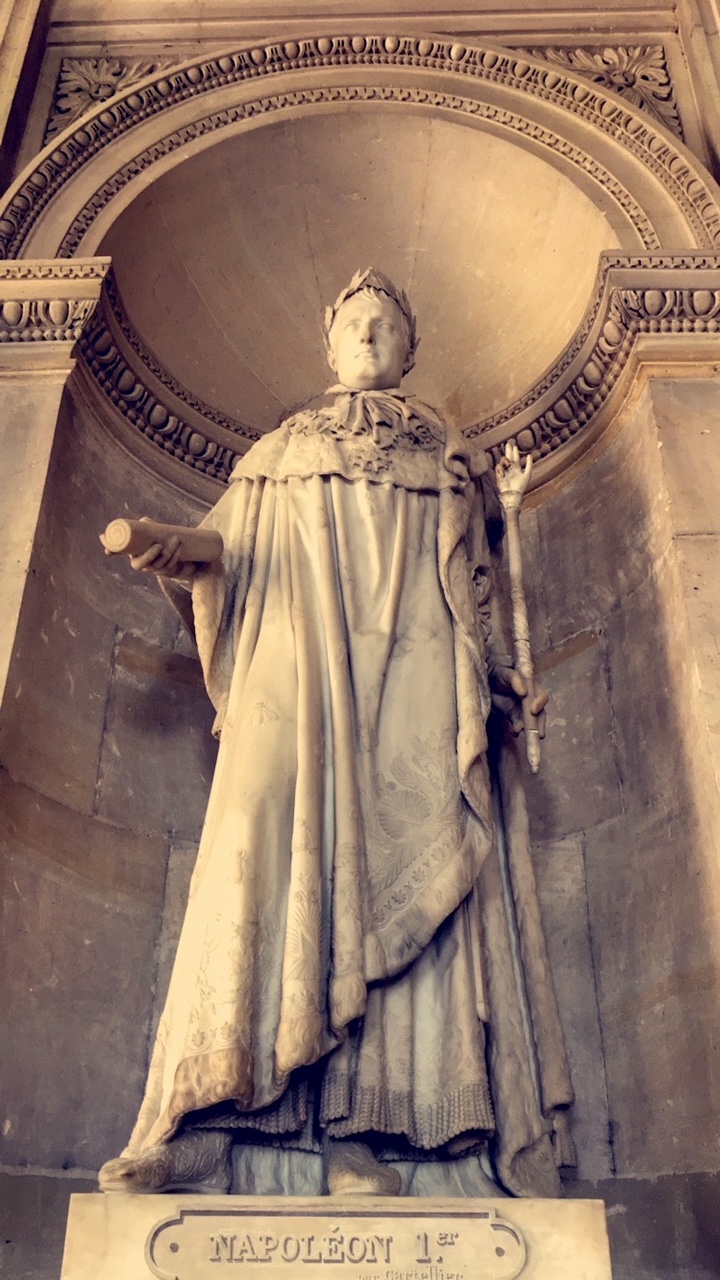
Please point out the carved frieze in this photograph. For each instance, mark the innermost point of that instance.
(639, 73)
(265, 65)
(144, 411)
(634, 296)
(83, 82)
(48, 302)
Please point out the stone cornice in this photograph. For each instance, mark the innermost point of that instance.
(50, 301)
(274, 69)
(676, 299)
(673, 298)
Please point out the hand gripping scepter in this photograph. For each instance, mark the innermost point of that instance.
(513, 481)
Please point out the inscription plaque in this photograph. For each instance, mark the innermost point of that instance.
(202, 1244)
(191, 1237)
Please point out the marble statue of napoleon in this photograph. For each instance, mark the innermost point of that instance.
(345, 1012)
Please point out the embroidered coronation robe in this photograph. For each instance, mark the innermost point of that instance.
(349, 961)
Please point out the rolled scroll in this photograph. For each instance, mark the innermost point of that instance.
(134, 537)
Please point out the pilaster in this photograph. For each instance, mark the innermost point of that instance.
(43, 308)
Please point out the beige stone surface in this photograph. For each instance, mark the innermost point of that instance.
(579, 742)
(196, 1238)
(157, 709)
(600, 536)
(33, 1221)
(75, 960)
(27, 428)
(687, 412)
(699, 557)
(654, 932)
(180, 864)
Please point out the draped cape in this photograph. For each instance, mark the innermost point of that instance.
(350, 961)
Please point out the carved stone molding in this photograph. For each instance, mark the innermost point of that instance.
(639, 73)
(673, 297)
(366, 93)
(54, 269)
(635, 296)
(48, 302)
(114, 317)
(128, 391)
(84, 82)
(457, 62)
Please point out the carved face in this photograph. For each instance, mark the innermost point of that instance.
(368, 343)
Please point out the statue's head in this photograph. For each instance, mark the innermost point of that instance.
(370, 333)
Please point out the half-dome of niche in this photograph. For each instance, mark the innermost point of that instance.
(226, 262)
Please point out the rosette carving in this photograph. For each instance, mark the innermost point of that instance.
(83, 82)
(639, 73)
(461, 63)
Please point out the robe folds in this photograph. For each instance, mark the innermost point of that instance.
(360, 954)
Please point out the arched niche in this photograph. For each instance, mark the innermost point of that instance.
(520, 134)
(236, 192)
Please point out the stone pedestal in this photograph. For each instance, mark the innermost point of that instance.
(186, 1237)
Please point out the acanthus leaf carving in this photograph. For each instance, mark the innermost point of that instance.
(639, 73)
(474, 62)
(83, 82)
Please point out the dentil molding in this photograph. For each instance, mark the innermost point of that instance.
(274, 70)
(638, 73)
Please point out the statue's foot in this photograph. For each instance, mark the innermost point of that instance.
(198, 1160)
(352, 1169)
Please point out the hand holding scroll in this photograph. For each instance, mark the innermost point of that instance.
(167, 550)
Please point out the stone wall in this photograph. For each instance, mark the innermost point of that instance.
(106, 759)
(625, 814)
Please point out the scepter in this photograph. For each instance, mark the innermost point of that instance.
(513, 481)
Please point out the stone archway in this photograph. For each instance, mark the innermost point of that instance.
(655, 304)
(629, 187)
